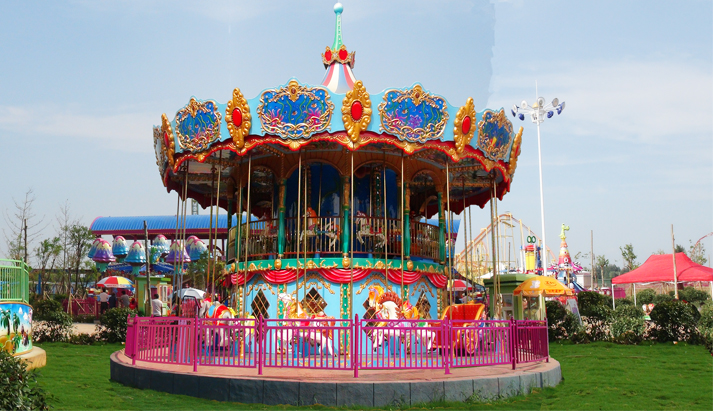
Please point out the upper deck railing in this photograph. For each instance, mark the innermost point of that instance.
(14, 281)
(325, 237)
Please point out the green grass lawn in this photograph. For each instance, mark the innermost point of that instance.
(596, 376)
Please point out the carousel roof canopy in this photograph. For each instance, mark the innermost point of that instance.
(209, 136)
(197, 225)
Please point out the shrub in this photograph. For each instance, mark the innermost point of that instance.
(625, 302)
(57, 326)
(693, 295)
(628, 325)
(660, 298)
(112, 325)
(20, 390)
(645, 296)
(597, 321)
(705, 325)
(587, 300)
(675, 321)
(83, 339)
(555, 316)
(60, 297)
(42, 308)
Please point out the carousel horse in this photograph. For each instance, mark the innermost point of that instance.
(330, 230)
(388, 305)
(294, 311)
(364, 229)
(215, 310)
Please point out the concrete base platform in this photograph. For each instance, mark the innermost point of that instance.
(35, 358)
(336, 388)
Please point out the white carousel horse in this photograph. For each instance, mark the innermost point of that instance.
(330, 229)
(364, 229)
(389, 306)
(288, 336)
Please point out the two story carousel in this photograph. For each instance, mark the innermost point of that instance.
(341, 190)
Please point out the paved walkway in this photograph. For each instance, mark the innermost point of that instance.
(83, 328)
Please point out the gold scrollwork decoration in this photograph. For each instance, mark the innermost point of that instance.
(168, 139)
(515, 152)
(356, 111)
(160, 150)
(464, 126)
(238, 119)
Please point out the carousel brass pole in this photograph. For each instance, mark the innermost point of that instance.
(217, 219)
(211, 251)
(308, 179)
(465, 227)
(495, 298)
(181, 243)
(299, 199)
(403, 207)
(247, 234)
(148, 268)
(386, 228)
(238, 237)
(175, 238)
(319, 209)
(448, 236)
(497, 226)
(351, 241)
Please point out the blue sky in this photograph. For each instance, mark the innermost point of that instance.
(82, 82)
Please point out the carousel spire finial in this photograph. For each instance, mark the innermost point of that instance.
(338, 61)
(338, 8)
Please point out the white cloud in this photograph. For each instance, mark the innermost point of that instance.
(641, 101)
(123, 131)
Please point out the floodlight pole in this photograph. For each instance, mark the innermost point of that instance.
(536, 112)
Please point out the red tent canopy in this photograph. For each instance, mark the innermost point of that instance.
(659, 268)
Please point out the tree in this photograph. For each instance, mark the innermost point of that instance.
(602, 263)
(23, 228)
(80, 239)
(47, 253)
(627, 253)
(697, 253)
(679, 249)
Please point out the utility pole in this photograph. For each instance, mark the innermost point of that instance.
(675, 272)
(25, 230)
(591, 252)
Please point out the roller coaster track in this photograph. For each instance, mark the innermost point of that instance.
(478, 250)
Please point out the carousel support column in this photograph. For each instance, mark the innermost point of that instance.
(407, 221)
(403, 207)
(211, 245)
(215, 234)
(297, 217)
(247, 234)
(281, 219)
(449, 229)
(345, 217)
(351, 245)
(238, 237)
(441, 230)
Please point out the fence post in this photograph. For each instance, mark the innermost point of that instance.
(448, 334)
(355, 341)
(547, 341)
(513, 342)
(135, 342)
(261, 340)
(196, 343)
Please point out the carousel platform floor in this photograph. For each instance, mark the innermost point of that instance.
(336, 388)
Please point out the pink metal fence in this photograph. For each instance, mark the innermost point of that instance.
(402, 344)
(314, 343)
(335, 344)
(531, 343)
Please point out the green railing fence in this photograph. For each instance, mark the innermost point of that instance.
(14, 281)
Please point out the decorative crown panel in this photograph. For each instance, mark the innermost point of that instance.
(413, 114)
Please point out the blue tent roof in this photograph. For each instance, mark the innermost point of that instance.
(197, 225)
